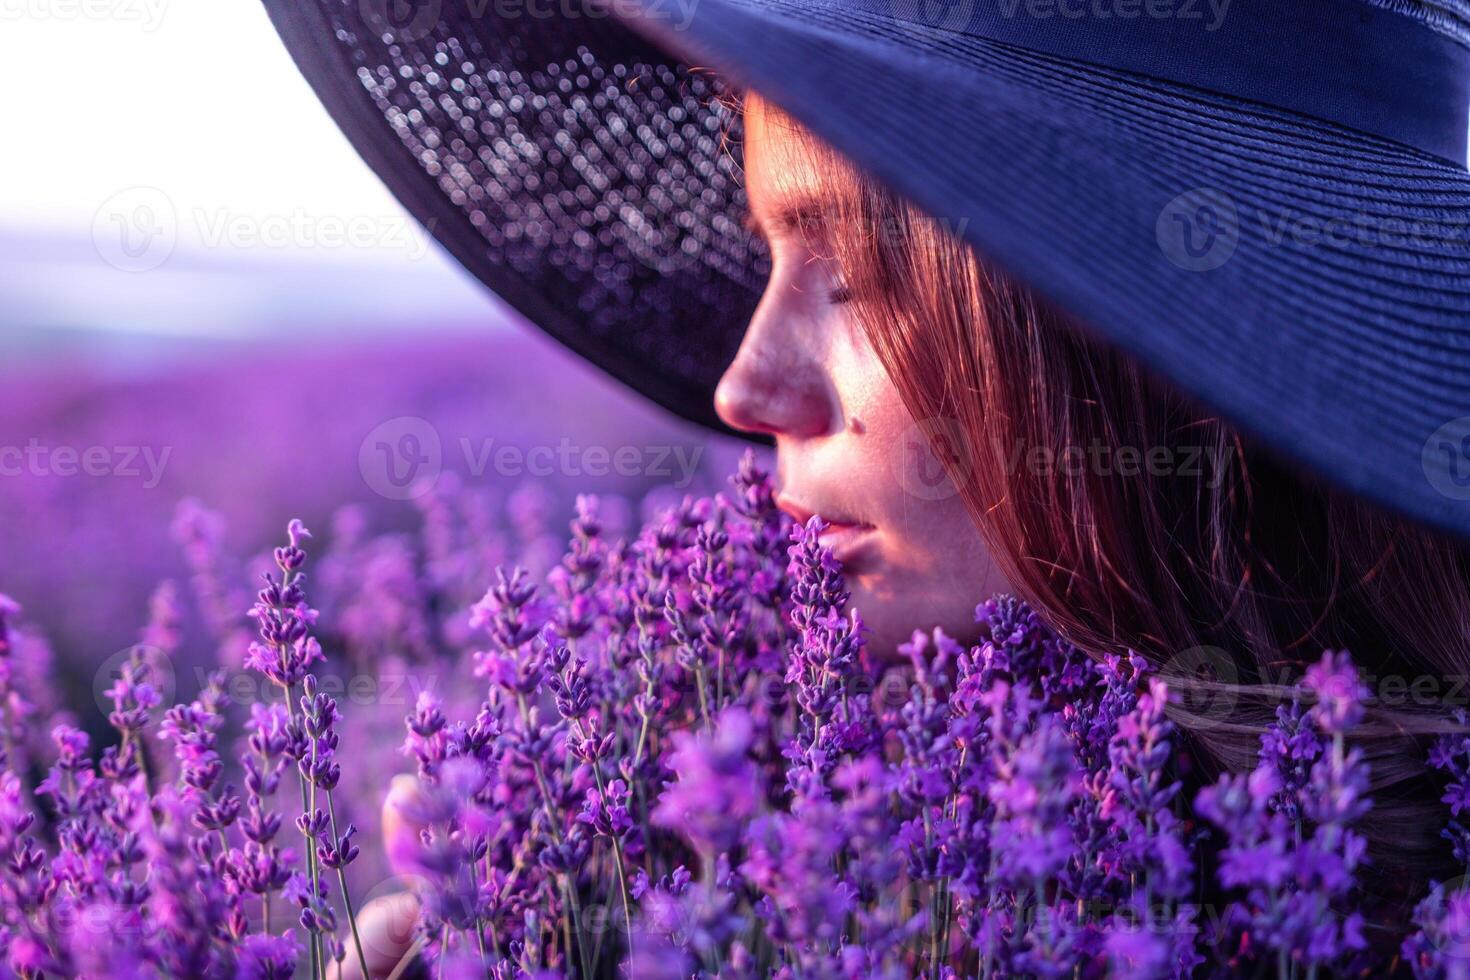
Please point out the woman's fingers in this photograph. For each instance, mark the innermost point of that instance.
(386, 925)
(400, 830)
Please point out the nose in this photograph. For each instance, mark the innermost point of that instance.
(777, 384)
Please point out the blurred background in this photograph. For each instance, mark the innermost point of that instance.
(205, 296)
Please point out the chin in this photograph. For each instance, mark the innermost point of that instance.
(891, 616)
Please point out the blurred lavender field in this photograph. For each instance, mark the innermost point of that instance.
(97, 451)
(224, 322)
(226, 309)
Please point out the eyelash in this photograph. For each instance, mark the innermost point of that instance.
(837, 295)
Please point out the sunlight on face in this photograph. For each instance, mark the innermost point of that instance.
(847, 448)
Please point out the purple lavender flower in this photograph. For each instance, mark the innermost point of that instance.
(824, 664)
(194, 730)
(285, 653)
(1450, 754)
(1333, 680)
(18, 701)
(790, 861)
(189, 903)
(1440, 950)
(1297, 864)
(1291, 747)
(669, 755)
(263, 956)
(1149, 840)
(1037, 781)
(716, 791)
(163, 632)
(508, 613)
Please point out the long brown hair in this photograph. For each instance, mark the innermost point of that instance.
(1241, 563)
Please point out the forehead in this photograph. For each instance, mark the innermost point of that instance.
(781, 170)
(792, 180)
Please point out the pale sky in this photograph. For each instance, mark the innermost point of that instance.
(197, 99)
(165, 168)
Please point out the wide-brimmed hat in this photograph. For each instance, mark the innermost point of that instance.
(1266, 201)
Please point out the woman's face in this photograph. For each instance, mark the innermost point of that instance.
(846, 447)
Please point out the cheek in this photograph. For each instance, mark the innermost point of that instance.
(891, 457)
(929, 526)
(861, 383)
(935, 565)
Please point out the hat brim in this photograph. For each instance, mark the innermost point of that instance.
(614, 272)
(1309, 282)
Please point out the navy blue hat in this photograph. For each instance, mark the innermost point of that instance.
(1266, 201)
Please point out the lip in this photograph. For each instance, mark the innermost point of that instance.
(846, 536)
(849, 544)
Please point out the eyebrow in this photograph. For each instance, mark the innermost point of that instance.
(789, 216)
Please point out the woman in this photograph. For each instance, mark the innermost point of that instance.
(1233, 566)
(1175, 322)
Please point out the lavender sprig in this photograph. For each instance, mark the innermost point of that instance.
(286, 653)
